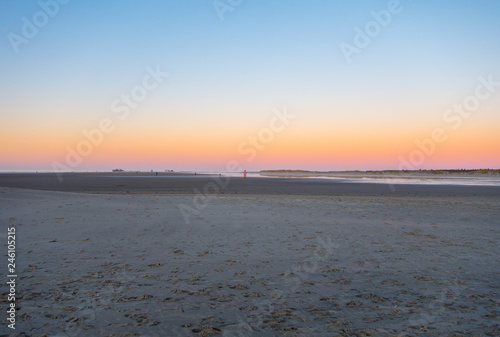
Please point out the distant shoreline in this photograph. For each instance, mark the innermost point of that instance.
(280, 171)
(386, 174)
(440, 171)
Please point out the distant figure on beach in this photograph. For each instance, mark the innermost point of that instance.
(245, 175)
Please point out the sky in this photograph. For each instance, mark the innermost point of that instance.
(264, 84)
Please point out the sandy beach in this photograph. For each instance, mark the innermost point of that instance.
(250, 168)
(329, 261)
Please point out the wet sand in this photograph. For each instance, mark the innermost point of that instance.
(174, 183)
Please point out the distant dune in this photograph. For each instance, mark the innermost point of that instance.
(441, 171)
(384, 173)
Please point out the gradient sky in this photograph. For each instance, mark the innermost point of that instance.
(227, 77)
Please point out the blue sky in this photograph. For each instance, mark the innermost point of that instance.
(263, 55)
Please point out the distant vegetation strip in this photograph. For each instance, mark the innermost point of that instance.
(481, 171)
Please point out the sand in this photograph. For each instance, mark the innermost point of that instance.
(175, 183)
(425, 264)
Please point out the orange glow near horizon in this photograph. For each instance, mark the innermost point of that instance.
(294, 148)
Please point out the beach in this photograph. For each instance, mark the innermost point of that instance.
(189, 183)
(250, 168)
(114, 255)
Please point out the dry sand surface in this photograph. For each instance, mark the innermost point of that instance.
(253, 265)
